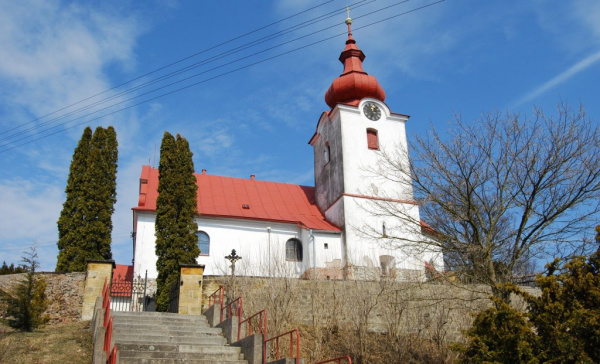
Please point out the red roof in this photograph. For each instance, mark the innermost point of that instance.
(122, 272)
(354, 83)
(244, 199)
(122, 281)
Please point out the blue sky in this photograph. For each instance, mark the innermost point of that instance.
(467, 57)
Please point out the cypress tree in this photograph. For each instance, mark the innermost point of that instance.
(176, 240)
(71, 216)
(85, 224)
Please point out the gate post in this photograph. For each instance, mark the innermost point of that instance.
(97, 272)
(190, 289)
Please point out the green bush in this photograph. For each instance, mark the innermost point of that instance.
(562, 324)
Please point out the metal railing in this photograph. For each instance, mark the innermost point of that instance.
(229, 306)
(262, 324)
(111, 355)
(217, 296)
(276, 339)
(112, 359)
(337, 360)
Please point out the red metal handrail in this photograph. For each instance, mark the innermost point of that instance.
(106, 307)
(276, 338)
(111, 355)
(112, 359)
(336, 360)
(106, 301)
(108, 336)
(105, 288)
(262, 324)
(238, 309)
(218, 295)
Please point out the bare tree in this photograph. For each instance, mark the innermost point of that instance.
(499, 192)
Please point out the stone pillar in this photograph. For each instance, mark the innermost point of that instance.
(97, 272)
(190, 289)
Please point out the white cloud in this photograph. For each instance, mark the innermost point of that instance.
(563, 77)
(29, 211)
(588, 11)
(53, 53)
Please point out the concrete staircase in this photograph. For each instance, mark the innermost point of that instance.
(165, 338)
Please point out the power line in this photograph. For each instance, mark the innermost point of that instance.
(213, 77)
(173, 63)
(174, 73)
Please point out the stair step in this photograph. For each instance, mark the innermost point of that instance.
(148, 339)
(179, 361)
(179, 348)
(165, 338)
(161, 330)
(176, 355)
(158, 315)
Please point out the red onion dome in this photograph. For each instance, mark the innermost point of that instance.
(354, 83)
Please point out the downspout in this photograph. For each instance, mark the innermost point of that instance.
(269, 232)
(312, 238)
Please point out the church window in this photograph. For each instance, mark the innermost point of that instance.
(372, 140)
(327, 153)
(203, 242)
(293, 250)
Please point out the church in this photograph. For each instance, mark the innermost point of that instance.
(330, 231)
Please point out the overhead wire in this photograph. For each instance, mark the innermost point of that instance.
(174, 63)
(214, 77)
(180, 71)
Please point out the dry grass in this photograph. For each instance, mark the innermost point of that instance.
(61, 343)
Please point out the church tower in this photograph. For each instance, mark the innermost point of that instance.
(349, 142)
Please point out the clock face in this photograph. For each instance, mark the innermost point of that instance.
(372, 111)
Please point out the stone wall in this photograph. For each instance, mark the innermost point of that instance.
(63, 290)
(425, 309)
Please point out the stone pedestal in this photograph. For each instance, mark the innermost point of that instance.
(98, 271)
(190, 289)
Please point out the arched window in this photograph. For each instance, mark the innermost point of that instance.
(203, 243)
(326, 153)
(293, 250)
(372, 140)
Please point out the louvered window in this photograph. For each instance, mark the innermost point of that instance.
(372, 141)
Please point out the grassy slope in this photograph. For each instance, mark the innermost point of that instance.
(62, 343)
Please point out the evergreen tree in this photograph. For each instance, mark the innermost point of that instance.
(562, 324)
(26, 302)
(500, 334)
(72, 215)
(567, 313)
(11, 269)
(176, 240)
(85, 223)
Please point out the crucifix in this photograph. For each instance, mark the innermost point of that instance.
(233, 258)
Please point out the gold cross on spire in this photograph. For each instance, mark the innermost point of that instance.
(348, 19)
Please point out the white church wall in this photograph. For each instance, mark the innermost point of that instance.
(261, 244)
(145, 253)
(368, 247)
(262, 252)
(358, 159)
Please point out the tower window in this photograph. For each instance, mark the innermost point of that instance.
(293, 250)
(372, 140)
(326, 153)
(203, 242)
